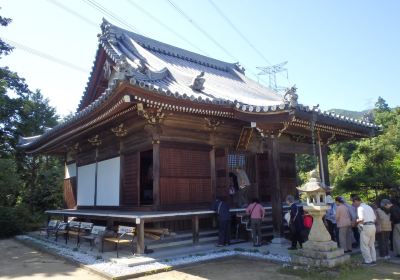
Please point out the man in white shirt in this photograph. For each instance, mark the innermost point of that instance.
(366, 225)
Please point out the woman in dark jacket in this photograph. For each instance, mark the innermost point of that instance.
(296, 224)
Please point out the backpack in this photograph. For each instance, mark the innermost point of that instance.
(307, 221)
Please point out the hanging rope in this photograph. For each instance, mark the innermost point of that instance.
(313, 139)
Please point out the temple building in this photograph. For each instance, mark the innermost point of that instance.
(160, 128)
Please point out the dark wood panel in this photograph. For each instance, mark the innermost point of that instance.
(288, 165)
(221, 167)
(177, 163)
(264, 183)
(86, 156)
(70, 193)
(109, 148)
(129, 186)
(184, 190)
(288, 174)
(185, 177)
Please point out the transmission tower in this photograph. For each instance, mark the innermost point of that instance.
(271, 72)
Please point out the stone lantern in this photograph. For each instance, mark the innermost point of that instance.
(314, 190)
(319, 250)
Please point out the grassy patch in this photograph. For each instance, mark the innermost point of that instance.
(353, 270)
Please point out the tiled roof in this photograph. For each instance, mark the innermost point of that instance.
(167, 70)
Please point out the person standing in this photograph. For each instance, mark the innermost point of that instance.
(366, 225)
(257, 213)
(356, 232)
(244, 184)
(394, 211)
(296, 224)
(343, 222)
(383, 229)
(330, 218)
(224, 222)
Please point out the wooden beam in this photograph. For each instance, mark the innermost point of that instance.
(295, 148)
(276, 197)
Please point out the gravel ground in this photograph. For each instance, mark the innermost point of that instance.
(117, 269)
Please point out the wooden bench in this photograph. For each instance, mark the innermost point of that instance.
(124, 235)
(96, 232)
(50, 228)
(62, 230)
(79, 229)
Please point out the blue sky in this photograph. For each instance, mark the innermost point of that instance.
(342, 54)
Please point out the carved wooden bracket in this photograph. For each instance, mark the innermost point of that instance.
(212, 123)
(120, 130)
(95, 141)
(330, 139)
(266, 133)
(285, 127)
(154, 116)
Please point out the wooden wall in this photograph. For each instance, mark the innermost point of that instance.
(70, 193)
(221, 168)
(185, 177)
(264, 181)
(288, 174)
(130, 180)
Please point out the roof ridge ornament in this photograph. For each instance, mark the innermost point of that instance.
(291, 97)
(198, 82)
(239, 67)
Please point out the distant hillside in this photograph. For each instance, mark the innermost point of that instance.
(351, 114)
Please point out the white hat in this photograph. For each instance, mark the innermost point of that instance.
(329, 199)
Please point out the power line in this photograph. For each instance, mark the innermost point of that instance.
(165, 26)
(230, 23)
(198, 27)
(72, 12)
(45, 56)
(107, 12)
(205, 33)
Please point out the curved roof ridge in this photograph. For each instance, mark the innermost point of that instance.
(171, 50)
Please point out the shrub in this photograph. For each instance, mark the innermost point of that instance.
(16, 220)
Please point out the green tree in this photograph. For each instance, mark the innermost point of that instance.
(29, 184)
(10, 107)
(373, 165)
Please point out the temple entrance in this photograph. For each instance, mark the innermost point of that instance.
(146, 178)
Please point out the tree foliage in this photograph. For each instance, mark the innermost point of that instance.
(370, 165)
(29, 184)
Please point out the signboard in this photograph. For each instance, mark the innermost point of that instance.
(244, 139)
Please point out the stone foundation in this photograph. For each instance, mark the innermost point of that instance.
(319, 250)
(324, 254)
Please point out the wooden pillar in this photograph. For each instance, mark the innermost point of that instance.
(156, 174)
(213, 174)
(121, 169)
(324, 155)
(195, 228)
(95, 176)
(276, 196)
(140, 237)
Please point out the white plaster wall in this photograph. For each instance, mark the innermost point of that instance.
(70, 170)
(108, 180)
(86, 185)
